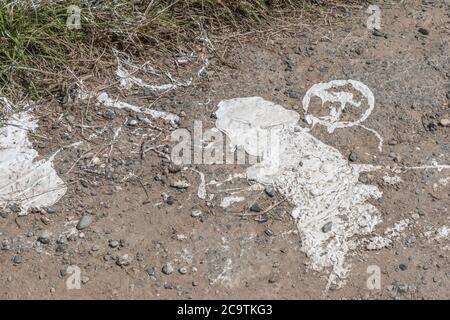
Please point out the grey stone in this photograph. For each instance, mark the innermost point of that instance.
(327, 227)
(353, 156)
(114, 243)
(84, 222)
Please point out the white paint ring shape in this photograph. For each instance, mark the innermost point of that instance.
(320, 90)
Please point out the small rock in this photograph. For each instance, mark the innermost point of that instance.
(270, 191)
(151, 271)
(445, 122)
(377, 33)
(448, 95)
(424, 31)
(294, 94)
(124, 260)
(114, 243)
(256, 208)
(85, 279)
(51, 210)
(196, 213)
(44, 238)
(180, 184)
(268, 232)
(173, 168)
(403, 266)
(84, 222)
(327, 227)
(183, 270)
(170, 200)
(353, 156)
(392, 142)
(415, 216)
(109, 115)
(132, 123)
(167, 268)
(263, 218)
(17, 259)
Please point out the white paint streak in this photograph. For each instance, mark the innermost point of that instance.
(127, 79)
(104, 99)
(25, 181)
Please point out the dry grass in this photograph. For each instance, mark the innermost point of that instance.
(38, 52)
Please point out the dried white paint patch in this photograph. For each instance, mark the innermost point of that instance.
(25, 181)
(104, 99)
(379, 242)
(228, 201)
(320, 182)
(392, 180)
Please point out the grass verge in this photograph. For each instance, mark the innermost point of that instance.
(39, 52)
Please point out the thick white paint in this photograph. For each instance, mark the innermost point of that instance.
(318, 180)
(104, 99)
(25, 181)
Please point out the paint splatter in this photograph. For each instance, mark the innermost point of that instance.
(25, 181)
(316, 178)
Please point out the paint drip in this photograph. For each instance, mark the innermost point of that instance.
(24, 181)
(316, 178)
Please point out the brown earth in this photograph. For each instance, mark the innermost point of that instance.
(224, 254)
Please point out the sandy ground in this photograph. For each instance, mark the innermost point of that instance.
(151, 238)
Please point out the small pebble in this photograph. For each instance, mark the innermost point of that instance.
(444, 122)
(327, 227)
(403, 266)
(270, 191)
(114, 243)
(84, 222)
(256, 208)
(167, 268)
(377, 33)
(424, 31)
(17, 259)
(183, 270)
(353, 156)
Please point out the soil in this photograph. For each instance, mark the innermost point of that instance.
(124, 183)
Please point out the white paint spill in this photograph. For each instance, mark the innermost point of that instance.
(104, 99)
(392, 180)
(313, 176)
(25, 181)
(228, 201)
